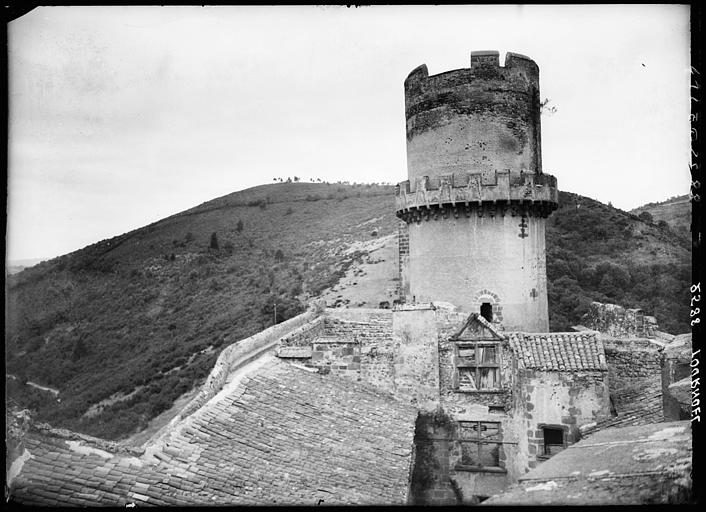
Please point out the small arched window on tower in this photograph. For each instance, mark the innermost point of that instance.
(486, 311)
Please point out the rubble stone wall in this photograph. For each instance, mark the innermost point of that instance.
(566, 400)
(416, 362)
(403, 263)
(619, 322)
(631, 361)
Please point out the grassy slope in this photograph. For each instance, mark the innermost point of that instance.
(675, 211)
(123, 317)
(121, 314)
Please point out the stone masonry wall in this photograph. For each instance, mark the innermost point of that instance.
(455, 259)
(485, 117)
(302, 336)
(340, 358)
(416, 366)
(561, 399)
(403, 262)
(353, 343)
(631, 362)
(371, 329)
(619, 322)
(676, 365)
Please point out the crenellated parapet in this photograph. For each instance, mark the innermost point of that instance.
(485, 117)
(484, 65)
(490, 192)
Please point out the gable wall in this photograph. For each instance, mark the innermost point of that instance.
(569, 399)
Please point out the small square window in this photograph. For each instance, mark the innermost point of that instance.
(554, 440)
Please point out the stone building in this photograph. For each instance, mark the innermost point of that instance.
(645, 464)
(455, 395)
(492, 404)
(475, 202)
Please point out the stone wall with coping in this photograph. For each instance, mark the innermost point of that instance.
(302, 336)
(619, 322)
(242, 352)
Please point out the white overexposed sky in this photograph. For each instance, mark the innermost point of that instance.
(121, 116)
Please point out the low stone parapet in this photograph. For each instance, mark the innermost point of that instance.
(242, 352)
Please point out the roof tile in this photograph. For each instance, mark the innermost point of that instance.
(559, 351)
(292, 431)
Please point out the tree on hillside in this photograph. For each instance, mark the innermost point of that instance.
(646, 217)
(214, 241)
(79, 349)
(239, 226)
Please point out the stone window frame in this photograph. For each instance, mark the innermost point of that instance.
(542, 455)
(459, 363)
(486, 295)
(480, 441)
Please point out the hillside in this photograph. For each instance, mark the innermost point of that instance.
(124, 327)
(675, 211)
(15, 266)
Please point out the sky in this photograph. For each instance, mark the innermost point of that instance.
(121, 116)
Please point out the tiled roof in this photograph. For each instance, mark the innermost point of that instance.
(559, 351)
(617, 466)
(281, 436)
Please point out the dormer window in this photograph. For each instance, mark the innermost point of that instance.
(478, 365)
(476, 357)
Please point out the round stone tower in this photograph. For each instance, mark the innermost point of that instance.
(475, 204)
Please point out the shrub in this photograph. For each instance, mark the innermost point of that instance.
(214, 241)
(646, 217)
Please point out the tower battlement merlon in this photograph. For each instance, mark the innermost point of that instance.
(480, 178)
(533, 192)
(485, 58)
(516, 66)
(486, 116)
